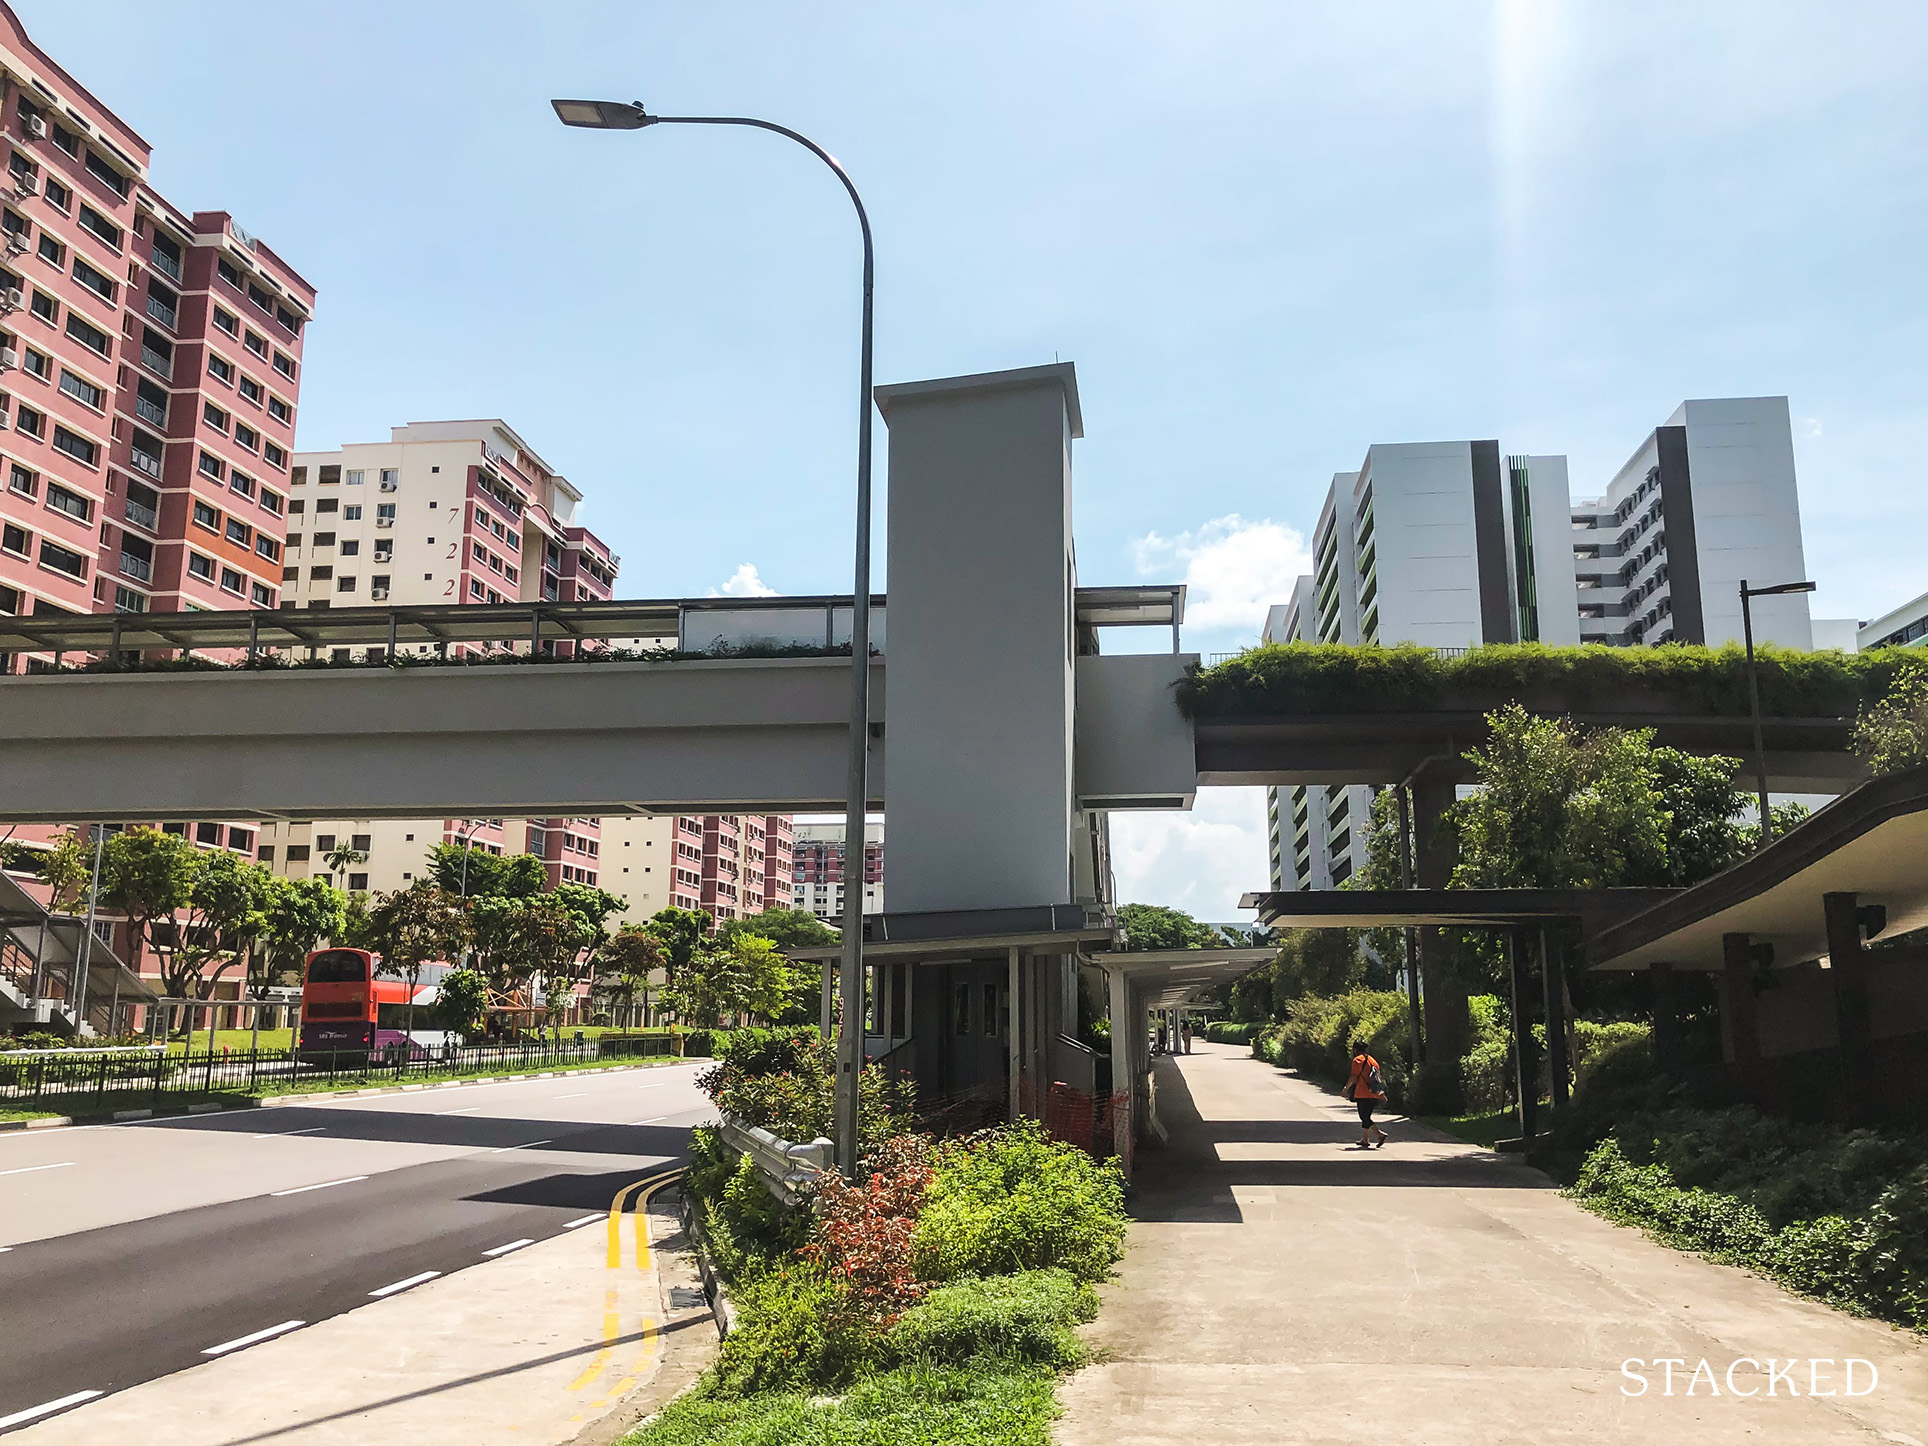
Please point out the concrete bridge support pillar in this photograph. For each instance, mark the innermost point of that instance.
(1740, 1011)
(1443, 997)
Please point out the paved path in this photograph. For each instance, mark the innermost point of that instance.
(1283, 1288)
(144, 1246)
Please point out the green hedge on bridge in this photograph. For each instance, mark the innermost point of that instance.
(1296, 678)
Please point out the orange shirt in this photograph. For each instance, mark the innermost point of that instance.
(1362, 1068)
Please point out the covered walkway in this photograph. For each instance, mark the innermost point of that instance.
(1280, 1287)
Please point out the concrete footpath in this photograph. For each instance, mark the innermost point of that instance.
(1282, 1287)
(572, 1340)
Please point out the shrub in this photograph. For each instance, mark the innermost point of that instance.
(863, 1232)
(795, 1329)
(1026, 1317)
(784, 1081)
(1221, 1031)
(1486, 1069)
(1014, 1199)
(748, 1227)
(1320, 1032)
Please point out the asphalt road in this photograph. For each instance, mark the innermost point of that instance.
(131, 1251)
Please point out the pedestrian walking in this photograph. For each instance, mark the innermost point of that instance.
(1185, 1034)
(1366, 1088)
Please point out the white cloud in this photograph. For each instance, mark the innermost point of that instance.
(744, 583)
(1199, 861)
(1810, 426)
(1234, 570)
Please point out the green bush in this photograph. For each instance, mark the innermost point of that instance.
(1320, 1032)
(1222, 1031)
(748, 1228)
(1285, 678)
(794, 1330)
(1014, 1199)
(1875, 1263)
(1023, 1317)
(1486, 1069)
(784, 1081)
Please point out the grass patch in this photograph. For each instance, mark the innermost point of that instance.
(986, 1401)
(235, 1041)
(312, 1085)
(10, 1114)
(1483, 1130)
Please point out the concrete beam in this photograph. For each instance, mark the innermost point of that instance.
(737, 735)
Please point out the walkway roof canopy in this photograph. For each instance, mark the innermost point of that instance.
(1464, 908)
(22, 916)
(1173, 975)
(958, 934)
(1871, 843)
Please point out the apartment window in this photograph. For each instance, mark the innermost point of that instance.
(251, 389)
(227, 321)
(241, 482)
(199, 566)
(324, 539)
(76, 446)
(325, 842)
(327, 504)
(391, 478)
(321, 574)
(215, 418)
(94, 279)
(257, 344)
(207, 833)
(267, 547)
(290, 322)
(87, 334)
(105, 229)
(285, 365)
(350, 547)
(166, 256)
(378, 583)
(157, 352)
(358, 883)
(71, 503)
(106, 175)
(82, 390)
(476, 590)
(297, 853)
(246, 436)
(260, 298)
(509, 573)
(229, 272)
(38, 364)
(52, 251)
(384, 549)
(274, 456)
(279, 410)
(344, 584)
(126, 600)
(291, 574)
(351, 513)
(62, 559)
(263, 595)
(220, 369)
(385, 512)
(271, 501)
(211, 466)
(24, 482)
(239, 533)
(150, 403)
(353, 477)
(481, 552)
(13, 539)
(45, 307)
(206, 516)
(232, 581)
(265, 854)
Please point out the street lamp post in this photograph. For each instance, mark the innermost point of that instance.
(1754, 692)
(624, 116)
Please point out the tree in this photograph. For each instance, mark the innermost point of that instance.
(225, 914)
(518, 939)
(623, 966)
(785, 928)
(462, 1002)
(357, 929)
(145, 876)
(589, 908)
(684, 933)
(298, 915)
(341, 858)
(743, 975)
(1152, 926)
(416, 926)
(1893, 734)
(510, 876)
(67, 869)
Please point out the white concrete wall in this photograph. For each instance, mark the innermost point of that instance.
(1555, 584)
(639, 863)
(980, 718)
(1747, 515)
(1427, 558)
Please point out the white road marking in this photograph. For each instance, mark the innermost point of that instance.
(401, 1285)
(47, 1409)
(512, 1245)
(530, 1145)
(277, 1134)
(586, 1220)
(325, 1184)
(578, 1095)
(657, 1120)
(465, 1110)
(248, 1340)
(29, 1169)
(658, 1085)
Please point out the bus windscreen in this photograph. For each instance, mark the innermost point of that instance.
(338, 966)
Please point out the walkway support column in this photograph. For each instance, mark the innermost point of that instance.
(1740, 1008)
(823, 1006)
(1122, 1065)
(1666, 1019)
(1854, 1018)
(1526, 1075)
(1013, 1024)
(1418, 1038)
(1448, 1025)
(1553, 944)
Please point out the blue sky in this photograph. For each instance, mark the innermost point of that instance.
(1268, 235)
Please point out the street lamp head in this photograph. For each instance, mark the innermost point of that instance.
(603, 115)
(1777, 589)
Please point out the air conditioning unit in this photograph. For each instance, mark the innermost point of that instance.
(26, 184)
(378, 593)
(17, 242)
(390, 486)
(384, 522)
(36, 127)
(9, 359)
(12, 299)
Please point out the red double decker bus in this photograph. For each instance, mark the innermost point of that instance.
(346, 1009)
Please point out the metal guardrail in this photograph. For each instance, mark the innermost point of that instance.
(104, 1078)
(788, 1170)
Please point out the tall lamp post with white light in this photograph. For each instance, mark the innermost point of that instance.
(610, 115)
(1754, 691)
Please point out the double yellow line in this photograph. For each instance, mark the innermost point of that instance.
(634, 1199)
(649, 1185)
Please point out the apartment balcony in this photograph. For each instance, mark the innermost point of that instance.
(136, 568)
(156, 363)
(163, 313)
(149, 412)
(146, 462)
(165, 264)
(140, 516)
